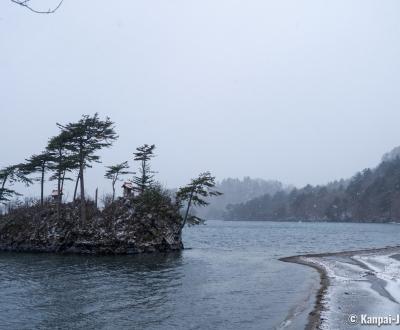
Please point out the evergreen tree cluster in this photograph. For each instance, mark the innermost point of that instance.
(75, 149)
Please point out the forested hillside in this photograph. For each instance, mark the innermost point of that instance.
(236, 191)
(372, 195)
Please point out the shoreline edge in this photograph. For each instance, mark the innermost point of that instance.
(314, 318)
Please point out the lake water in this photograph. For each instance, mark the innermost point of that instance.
(229, 277)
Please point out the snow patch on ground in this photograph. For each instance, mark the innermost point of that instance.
(385, 268)
(359, 284)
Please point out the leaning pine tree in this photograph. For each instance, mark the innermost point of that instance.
(114, 174)
(87, 136)
(195, 194)
(8, 176)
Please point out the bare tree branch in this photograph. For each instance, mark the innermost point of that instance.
(25, 3)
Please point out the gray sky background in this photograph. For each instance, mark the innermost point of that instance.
(299, 91)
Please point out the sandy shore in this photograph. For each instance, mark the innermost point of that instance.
(353, 283)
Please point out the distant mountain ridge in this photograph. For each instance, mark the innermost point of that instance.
(372, 195)
(238, 191)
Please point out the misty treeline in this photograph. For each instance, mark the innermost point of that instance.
(372, 195)
(237, 191)
(75, 149)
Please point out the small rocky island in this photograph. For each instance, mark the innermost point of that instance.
(128, 226)
(148, 218)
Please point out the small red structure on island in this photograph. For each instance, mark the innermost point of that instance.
(128, 188)
(54, 194)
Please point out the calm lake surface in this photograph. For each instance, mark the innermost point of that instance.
(228, 278)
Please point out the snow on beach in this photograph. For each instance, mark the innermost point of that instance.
(386, 268)
(362, 283)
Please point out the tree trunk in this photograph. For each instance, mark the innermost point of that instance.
(76, 185)
(62, 181)
(187, 210)
(41, 187)
(113, 188)
(144, 174)
(58, 195)
(2, 187)
(95, 198)
(83, 202)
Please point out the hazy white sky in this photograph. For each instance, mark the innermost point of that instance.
(299, 91)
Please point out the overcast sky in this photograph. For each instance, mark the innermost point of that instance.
(299, 91)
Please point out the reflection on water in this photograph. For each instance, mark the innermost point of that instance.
(75, 291)
(230, 278)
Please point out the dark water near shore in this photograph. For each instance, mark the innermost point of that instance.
(228, 278)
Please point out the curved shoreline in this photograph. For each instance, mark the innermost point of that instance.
(315, 317)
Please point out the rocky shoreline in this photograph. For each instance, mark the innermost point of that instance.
(331, 266)
(128, 226)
